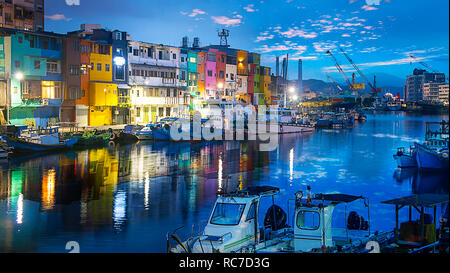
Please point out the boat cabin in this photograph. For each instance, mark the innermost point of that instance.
(313, 222)
(233, 223)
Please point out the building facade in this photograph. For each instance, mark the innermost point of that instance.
(22, 14)
(154, 76)
(33, 65)
(414, 86)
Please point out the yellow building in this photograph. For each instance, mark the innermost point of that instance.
(264, 82)
(103, 96)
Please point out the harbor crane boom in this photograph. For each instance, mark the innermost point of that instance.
(339, 68)
(423, 64)
(359, 71)
(337, 85)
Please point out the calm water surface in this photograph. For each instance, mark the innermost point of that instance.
(126, 199)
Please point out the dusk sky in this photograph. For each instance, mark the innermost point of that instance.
(379, 35)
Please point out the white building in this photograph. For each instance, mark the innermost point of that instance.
(414, 86)
(154, 77)
(443, 93)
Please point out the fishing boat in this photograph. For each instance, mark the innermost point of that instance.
(163, 132)
(146, 133)
(39, 140)
(420, 235)
(326, 120)
(90, 138)
(406, 159)
(4, 152)
(432, 157)
(433, 153)
(233, 226)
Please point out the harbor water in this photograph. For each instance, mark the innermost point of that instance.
(126, 198)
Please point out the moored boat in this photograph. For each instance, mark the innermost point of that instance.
(38, 140)
(406, 159)
(233, 226)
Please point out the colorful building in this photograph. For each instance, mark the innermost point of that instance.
(156, 90)
(103, 96)
(33, 62)
(265, 83)
(242, 75)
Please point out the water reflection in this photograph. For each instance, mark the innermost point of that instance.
(125, 198)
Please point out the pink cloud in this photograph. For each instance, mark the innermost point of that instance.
(58, 17)
(367, 8)
(223, 20)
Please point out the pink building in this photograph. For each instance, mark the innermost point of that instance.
(211, 74)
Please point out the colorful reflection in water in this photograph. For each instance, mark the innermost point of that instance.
(125, 199)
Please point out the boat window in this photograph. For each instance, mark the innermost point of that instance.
(309, 220)
(251, 212)
(227, 214)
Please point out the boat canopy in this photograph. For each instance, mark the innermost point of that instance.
(419, 200)
(255, 191)
(339, 198)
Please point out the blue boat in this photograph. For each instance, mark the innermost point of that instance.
(433, 152)
(40, 140)
(429, 158)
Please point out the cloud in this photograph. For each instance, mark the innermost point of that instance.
(266, 49)
(196, 12)
(264, 36)
(324, 46)
(250, 8)
(58, 17)
(295, 32)
(367, 8)
(223, 20)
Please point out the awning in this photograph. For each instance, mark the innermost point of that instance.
(123, 86)
(337, 197)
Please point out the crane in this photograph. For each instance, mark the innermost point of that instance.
(423, 64)
(372, 86)
(337, 85)
(339, 68)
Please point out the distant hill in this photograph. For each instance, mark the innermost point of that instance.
(389, 83)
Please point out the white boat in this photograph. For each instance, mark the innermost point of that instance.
(406, 159)
(233, 226)
(146, 133)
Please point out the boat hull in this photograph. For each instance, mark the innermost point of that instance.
(25, 146)
(428, 159)
(406, 161)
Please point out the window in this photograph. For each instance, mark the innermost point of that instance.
(138, 112)
(182, 59)
(309, 220)
(160, 55)
(221, 74)
(161, 111)
(52, 67)
(209, 73)
(174, 56)
(107, 67)
(37, 65)
(227, 214)
(17, 64)
(74, 70)
(252, 211)
(168, 112)
(20, 39)
(192, 60)
(99, 67)
(136, 52)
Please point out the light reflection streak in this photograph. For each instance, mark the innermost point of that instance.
(19, 219)
(291, 165)
(48, 189)
(146, 190)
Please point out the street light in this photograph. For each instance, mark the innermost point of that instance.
(291, 89)
(295, 97)
(19, 76)
(220, 85)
